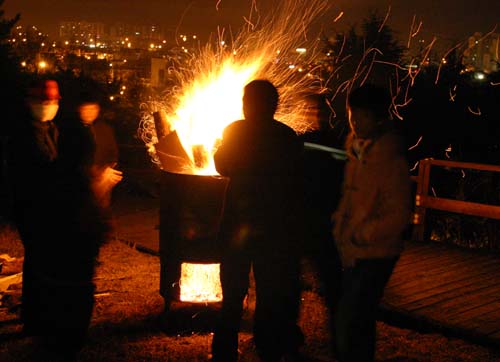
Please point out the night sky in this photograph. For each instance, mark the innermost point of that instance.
(447, 19)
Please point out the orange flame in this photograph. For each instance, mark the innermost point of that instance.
(208, 95)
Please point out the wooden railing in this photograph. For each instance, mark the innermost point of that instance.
(424, 201)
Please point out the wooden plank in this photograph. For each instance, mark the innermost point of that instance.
(432, 281)
(460, 309)
(418, 302)
(422, 190)
(417, 297)
(448, 291)
(460, 316)
(466, 165)
(440, 260)
(436, 266)
(455, 288)
(488, 323)
(420, 254)
(461, 207)
(412, 247)
(495, 336)
(414, 276)
(418, 257)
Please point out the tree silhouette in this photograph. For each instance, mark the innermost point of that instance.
(353, 58)
(11, 96)
(371, 55)
(9, 68)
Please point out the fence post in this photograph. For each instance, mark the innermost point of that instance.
(422, 191)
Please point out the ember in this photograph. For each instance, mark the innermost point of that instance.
(200, 283)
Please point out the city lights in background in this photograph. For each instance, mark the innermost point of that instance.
(479, 76)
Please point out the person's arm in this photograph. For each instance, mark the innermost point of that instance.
(224, 156)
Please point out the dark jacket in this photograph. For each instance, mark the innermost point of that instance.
(106, 148)
(263, 160)
(32, 153)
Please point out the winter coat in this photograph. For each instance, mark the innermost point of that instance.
(375, 206)
(106, 152)
(32, 168)
(263, 160)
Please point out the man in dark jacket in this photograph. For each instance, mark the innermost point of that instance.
(261, 227)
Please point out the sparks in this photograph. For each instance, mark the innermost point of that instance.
(474, 112)
(416, 144)
(341, 14)
(208, 94)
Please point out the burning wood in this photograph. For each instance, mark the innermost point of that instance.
(183, 135)
(200, 283)
(209, 88)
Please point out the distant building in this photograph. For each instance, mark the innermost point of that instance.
(118, 31)
(80, 30)
(482, 52)
(159, 72)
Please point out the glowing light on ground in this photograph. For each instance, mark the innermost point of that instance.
(200, 283)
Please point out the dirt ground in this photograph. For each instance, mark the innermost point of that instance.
(127, 323)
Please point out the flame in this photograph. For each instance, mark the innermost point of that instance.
(200, 283)
(207, 107)
(208, 90)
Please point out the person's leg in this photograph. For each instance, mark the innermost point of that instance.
(32, 303)
(67, 319)
(355, 317)
(276, 332)
(29, 299)
(329, 266)
(235, 268)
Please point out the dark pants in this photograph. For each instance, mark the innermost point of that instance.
(322, 252)
(362, 289)
(58, 297)
(276, 275)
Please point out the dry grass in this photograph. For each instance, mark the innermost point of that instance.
(127, 324)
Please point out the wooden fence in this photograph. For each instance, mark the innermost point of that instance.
(424, 201)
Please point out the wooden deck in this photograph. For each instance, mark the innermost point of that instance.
(448, 288)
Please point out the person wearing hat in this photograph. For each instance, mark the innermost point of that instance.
(31, 166)
(60, 224)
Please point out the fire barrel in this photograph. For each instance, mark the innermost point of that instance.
(191, 208)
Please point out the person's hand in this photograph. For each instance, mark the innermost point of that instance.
(104, 182)
(111, 177)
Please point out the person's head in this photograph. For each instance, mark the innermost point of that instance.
(368, 110)
(43, 99)
(260, 100)
(316, 112)
(88, 108)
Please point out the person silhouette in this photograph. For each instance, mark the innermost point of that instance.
(261, 227)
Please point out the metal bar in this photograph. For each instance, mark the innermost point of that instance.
(335, 152)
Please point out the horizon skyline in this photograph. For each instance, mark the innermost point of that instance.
(202, 17)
